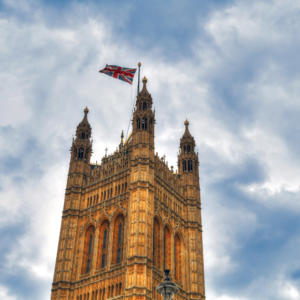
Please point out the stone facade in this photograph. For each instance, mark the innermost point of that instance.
(127, 219)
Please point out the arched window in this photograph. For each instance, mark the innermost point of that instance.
(103, 245)
(138, 123)
(118, 238)
(178, 258)
(190, 165)
(156, 243)
(188, 148)
(80, 153)
(167, 248)
(144, 105)
(184, 165)
(144, 123)
(83, 135)
(88, 250)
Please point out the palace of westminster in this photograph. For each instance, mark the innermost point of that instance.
(129, 218)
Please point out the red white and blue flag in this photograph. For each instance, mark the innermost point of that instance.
(125, 74)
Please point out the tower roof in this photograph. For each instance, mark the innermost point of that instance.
(84, 125)
(144, 92)
(187, 137)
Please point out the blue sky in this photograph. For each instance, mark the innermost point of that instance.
(230, 67)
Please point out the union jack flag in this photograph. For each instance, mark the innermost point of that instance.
(125, 74)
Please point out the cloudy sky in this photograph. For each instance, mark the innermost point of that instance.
(231, 67)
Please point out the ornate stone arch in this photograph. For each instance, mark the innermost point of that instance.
(178, 256)
(167, 234)
(103, 243)
(118, 238)
(87, 255)
(157, 241)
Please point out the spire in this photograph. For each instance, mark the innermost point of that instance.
(187, 138)
(187, 159)
(143, 116)
(186, 132)
(144, 92)
(82, 145)
(122, 137)
(84, 129)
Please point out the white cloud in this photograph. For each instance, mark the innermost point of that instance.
(4, 294)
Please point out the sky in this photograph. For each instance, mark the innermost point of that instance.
(231, 67)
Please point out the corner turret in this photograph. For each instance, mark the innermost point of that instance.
(143, 118)
(187, 158)
(82, 145)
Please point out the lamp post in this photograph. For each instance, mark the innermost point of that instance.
(167, 288)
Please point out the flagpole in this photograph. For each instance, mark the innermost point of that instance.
(138, 86)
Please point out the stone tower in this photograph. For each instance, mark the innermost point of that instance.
(130, 217)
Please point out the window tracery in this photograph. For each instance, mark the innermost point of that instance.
(118, 238)
(88, 250)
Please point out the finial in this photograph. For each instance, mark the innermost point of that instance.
(122, 137)
(86, 111)
(139, 64)
(186, 123)
(145, 80)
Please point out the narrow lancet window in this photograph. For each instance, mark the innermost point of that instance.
(88, 250)
(103, 245)
(118, 240)
(138, 123)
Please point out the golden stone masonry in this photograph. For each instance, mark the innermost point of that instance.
(127, 219)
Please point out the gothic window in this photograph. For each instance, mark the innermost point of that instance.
(178, 258)
(138, 123)
(184, 165)
(167, 248)
(88, 250)
(188, 148)
(156, 243)
(144, 105)
(140, 106)
(118, 240)
(83, 135)
(144, 123)
(103, 245)
(190, 165)
(150, 123)
(80, 153)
